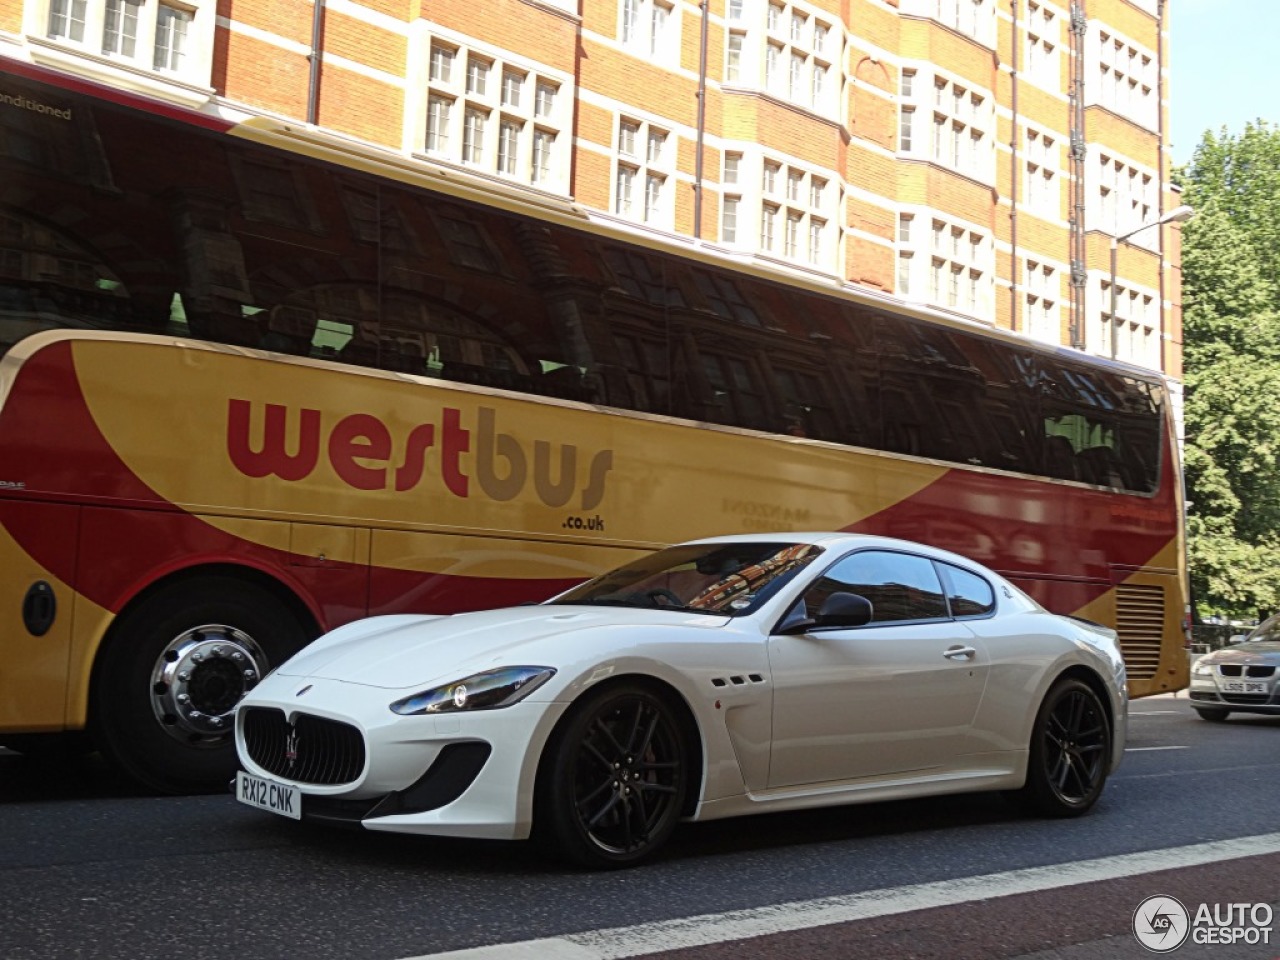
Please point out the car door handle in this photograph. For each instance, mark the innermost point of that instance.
(960, 653)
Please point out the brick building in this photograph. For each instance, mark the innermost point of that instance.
(980, 156)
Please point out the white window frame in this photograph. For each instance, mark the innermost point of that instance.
(85, 37)
(1042, 173)
(526, 110)
(799, 206)
(1042, 301)
(1121, 76)
(946, 262)
(1042, 45)
(789, 50)
(975, 19)
(1136, 327)
(644, 171)
(962, 125)
(650, 29)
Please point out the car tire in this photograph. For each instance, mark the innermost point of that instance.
(1070, 753)
(613, 781)
(1213, 714)
(172, 671)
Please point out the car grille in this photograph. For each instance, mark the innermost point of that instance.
(1245, 698)
(1256, 671)
(310, 750)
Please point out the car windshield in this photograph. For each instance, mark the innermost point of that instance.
(726, 579)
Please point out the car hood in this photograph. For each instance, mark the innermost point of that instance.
(398, 652)
(1251, 651)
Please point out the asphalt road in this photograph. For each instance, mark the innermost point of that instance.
(91, 867)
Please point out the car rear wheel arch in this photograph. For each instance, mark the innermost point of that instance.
(1092, 680)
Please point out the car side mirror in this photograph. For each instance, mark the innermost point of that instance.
(838, 610)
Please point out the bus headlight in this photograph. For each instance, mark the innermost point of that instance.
(489, 690)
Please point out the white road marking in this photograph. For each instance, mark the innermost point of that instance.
(711, 928)
(1148, 749)
(1158, 713)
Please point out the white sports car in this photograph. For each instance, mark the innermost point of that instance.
(721, 677)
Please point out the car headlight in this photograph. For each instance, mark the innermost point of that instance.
(489, 690)
(1202, 669)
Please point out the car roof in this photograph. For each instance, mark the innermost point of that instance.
(838, 540)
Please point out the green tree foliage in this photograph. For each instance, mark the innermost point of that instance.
(1231, 327)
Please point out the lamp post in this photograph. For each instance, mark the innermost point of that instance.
(1176, 215)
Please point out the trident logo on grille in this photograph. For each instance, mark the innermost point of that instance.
(291, 746)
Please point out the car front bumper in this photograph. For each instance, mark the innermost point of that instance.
(467, 774)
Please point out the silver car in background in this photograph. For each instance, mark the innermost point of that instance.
(1241, 678)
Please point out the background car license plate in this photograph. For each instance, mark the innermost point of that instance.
(1242, 686)
(268, 795)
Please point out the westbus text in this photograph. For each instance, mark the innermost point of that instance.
(362, 450)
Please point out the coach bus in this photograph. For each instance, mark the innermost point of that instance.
(258, 381)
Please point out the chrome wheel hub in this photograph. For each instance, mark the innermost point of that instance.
(200, 677)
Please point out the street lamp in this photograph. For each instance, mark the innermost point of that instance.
(1176, 215)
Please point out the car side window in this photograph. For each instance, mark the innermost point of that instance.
(968, 594)
(900, 586)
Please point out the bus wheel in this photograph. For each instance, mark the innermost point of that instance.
(174, 668)
(1070, 752)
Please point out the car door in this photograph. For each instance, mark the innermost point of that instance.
(894, 696)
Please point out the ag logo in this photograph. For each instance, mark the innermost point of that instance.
(1161, 924)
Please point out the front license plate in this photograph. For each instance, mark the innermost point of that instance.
(1242, 686)
(268, 795)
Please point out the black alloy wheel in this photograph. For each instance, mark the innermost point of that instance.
(615, 779)
(1070, 751)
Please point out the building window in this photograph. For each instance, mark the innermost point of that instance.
(120, 34)
(733, 58)
(67, 20)
(1041, 298)
(645, 156)
(729, 220)
(1042, 47)
(973, 18)
(958, 260)
(544, 142)
(800, 202)
(1123, 79)
(624, 190)
(508, 146)
(473, 136)
(494, 114)
(478, 75)
(1133, 334)
(1124, 198)
(798, 56)
(1042, 184)
(441, 67)
(649, 28)
(438, 109)
(962, 120)
(768, 226)
(545, 102)
(512, 88)
(147, 34)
